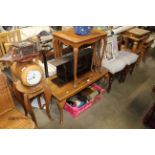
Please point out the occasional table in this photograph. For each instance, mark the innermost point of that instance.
(138, 36)
(25, 94)
(61, 93)
(69, 38)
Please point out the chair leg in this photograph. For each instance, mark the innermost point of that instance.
(132, 66)
(111, 79)
(123, 74)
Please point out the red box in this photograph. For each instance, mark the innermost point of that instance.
(75, 111)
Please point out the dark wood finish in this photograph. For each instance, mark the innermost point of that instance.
(61, 93)
(45, 62)
(68, 37)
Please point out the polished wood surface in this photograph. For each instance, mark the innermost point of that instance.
(139, 37)
(20, 71)
(61, 93)
(6, 38)
(27, 93)
(138, 32)
(69, 38)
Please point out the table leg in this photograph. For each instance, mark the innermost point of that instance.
(47, 97)
(60, 48)
(60, 105)
(103, 43)
(56, 48)
(29, 108)
(19, 97)
(39, 102)
(93, 64)
(47, 108)
(135, 46)
(75, 53)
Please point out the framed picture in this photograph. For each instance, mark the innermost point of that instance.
(109, 53)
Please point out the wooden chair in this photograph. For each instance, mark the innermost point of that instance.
(10, 117)
(126, 55)
(6, 39)
(116, 67)
(123, 61)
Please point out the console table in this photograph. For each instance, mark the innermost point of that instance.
(138, 36)
(61, 93)
(69, 38)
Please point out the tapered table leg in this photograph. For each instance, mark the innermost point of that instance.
(60, 105)
(75, 53)
(29, 108)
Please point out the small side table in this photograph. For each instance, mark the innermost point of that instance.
(28, 93)
(68, 37)
(138, 36)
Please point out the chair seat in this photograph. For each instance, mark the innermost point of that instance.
(14, 119)
(127, 57)
(114, 66)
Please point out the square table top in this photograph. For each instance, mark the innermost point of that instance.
(70, 35)
(138, 32)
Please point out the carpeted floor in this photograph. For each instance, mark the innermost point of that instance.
(124, 107)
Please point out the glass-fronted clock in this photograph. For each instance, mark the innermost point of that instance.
(33, 77)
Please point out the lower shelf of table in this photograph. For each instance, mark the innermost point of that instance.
(75, 111)
(67, 90)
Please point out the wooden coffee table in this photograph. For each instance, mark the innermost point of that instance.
(61, 93)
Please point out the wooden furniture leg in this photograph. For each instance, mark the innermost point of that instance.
(75, 53)
(39, 102)
(135, 46)
(56, 48)
(103, 43)
(111, 79)
(132, 66)
(47, 96)
(47, 100)
(19, 97)
(60, 48)
(93, 57)
(60, 105)
(123, 75)
(29, 108)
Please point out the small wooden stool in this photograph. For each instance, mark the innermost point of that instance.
(28, 93)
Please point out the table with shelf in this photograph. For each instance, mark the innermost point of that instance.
(69, 38)
(61, 93)
(138, 36)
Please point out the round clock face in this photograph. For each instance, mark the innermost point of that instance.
(33, 77)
